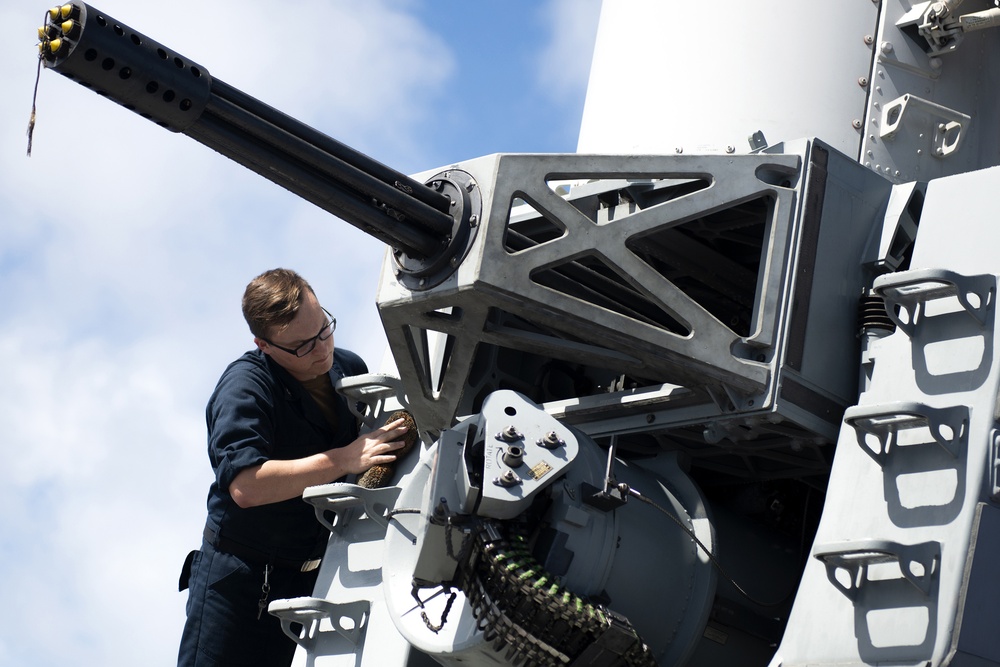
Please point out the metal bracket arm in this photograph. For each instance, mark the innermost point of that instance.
(947, 126)
(310, 611)
(855, 557)
(948, 426)
(911, 290)
(340, 498)
(371, 390)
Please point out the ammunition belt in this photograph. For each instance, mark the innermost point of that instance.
(529, 614)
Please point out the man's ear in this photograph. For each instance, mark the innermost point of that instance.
(262, 345)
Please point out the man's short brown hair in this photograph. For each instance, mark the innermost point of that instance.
(272, 300)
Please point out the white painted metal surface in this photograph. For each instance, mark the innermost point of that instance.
(702, 77)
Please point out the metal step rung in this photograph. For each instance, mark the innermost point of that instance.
(308, 612)
(855, 557)
(341, 498)
(911, 290)
(885, 420)
(371, 391)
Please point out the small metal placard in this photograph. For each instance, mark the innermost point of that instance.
(540, 469)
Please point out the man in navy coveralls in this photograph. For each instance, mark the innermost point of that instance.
(275, 427)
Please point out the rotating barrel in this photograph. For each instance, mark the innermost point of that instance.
(427, 225)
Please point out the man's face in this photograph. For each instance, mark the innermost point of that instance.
(307, 324)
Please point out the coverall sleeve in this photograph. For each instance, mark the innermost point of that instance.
(240, 418)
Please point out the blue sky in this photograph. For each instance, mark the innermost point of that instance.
(125, 250)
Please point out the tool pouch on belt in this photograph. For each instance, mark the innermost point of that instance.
(185, 578)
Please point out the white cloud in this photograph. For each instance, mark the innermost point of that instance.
(101, 493)
(565, 62)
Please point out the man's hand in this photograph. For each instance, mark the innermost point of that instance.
(373, 448)
(276, 480)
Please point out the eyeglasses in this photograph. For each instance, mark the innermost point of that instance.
(309, 345)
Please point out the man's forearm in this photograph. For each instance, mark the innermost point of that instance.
(275, 481)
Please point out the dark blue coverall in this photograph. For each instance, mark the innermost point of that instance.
(257, 412)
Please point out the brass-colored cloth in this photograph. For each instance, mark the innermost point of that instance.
(381, 475)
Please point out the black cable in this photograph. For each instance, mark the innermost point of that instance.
(34, 101)
(625, 488)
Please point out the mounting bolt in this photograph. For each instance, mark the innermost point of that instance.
(507, 479)
(509, 434)
(551, 440)
(863, 81)
(856, 124)
(869, 40)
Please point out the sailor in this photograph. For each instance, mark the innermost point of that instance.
(275, 427)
